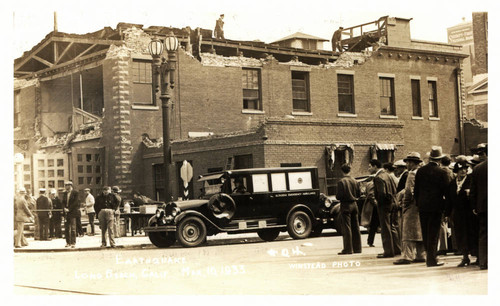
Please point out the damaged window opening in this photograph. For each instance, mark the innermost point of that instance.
(251, 89)
(300, 91)
(17, 109)
(415, 96)
(433, 107)
(142, 83)
(345, 85)
(387, 106)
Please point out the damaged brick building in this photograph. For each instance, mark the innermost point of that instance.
(85, 109)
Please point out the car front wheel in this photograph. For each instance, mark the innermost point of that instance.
(299, 225)
(191, 232)
(268, 234)
(162, 239)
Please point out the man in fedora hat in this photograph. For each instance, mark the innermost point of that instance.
(116, 225)
(22, 214)
(479, 204)
(219, 27)
(413, 247)
(384, 191)
(71, 206)
(431, 182)
(44, 207)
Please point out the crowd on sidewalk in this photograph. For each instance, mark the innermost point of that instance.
(47, 212)
(414, 204)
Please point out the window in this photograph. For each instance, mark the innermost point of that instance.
(278, 181)
(345, 85)
(27, 178)
(88, 157)
(60, 162)
(283, 165)
(60, 173)
(97, 169)
(259, 182)
(243, 161)
(80, 169)
(79, 157)
(60, 184)
(50, 173)
(300, 93)
(41, 163)
(433, 109)
(17, 109)
(89, 180)
(80, 180)
(251, 89)
(387, 105)
(51, 184)
(89, 169)
(50, 163)
(26, 167)
(300, 180)
(159, 181)
(97, 158)
(142, 82)
(41, 173)
(415, 98)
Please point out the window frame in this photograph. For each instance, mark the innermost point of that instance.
(307, 99)
(416, 98)
(432, 98)
(350, 94)
(139, 82)
(244, 73)
(392, 98)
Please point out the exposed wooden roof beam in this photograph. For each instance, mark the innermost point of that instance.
(106, 42)
(85, 51)
(41, 60)
(97, 54)
(64, 52)
(27, 58)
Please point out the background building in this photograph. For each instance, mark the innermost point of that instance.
(88, 100)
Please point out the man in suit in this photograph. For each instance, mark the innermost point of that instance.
(22, 214)
(44, 205)
(55, 221)
(479, 204)
(348, 193)
(72, 211)
(385, 190)
(431, 182)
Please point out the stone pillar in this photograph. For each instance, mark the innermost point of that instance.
(119, 144)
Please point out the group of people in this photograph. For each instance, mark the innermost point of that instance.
(415, 203)
(48, 211)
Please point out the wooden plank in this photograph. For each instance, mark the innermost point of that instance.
(64, 52)
(41, 60)
(85, 51)
(27, 58)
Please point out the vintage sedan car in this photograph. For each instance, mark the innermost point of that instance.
(267, 201)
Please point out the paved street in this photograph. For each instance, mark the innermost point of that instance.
(245, 265)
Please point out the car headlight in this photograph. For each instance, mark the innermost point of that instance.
(328, 204)
(175, 211)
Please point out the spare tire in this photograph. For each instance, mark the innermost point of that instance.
(222, 206)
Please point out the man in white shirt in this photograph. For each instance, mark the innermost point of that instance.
(89, 209)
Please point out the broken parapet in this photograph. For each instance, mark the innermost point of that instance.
(349, 59)
(118, 52)
(23, 83)
(208, 59)
(137, 40)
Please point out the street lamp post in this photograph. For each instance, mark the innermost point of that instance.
(163, 81)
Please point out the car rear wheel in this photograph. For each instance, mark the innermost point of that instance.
(191, 232)
(268, 234)
(299, 225)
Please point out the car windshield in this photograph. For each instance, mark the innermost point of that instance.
(212, 184)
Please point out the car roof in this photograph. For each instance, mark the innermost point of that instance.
(217, 175)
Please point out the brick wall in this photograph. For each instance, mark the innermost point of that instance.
(480, 29)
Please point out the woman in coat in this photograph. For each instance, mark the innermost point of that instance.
(460, 211)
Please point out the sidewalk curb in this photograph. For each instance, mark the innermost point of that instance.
(120, 247)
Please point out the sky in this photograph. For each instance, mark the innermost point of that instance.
(244, 20)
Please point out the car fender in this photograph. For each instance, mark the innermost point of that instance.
(152, 220)
(303, 208)
(187, 213)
